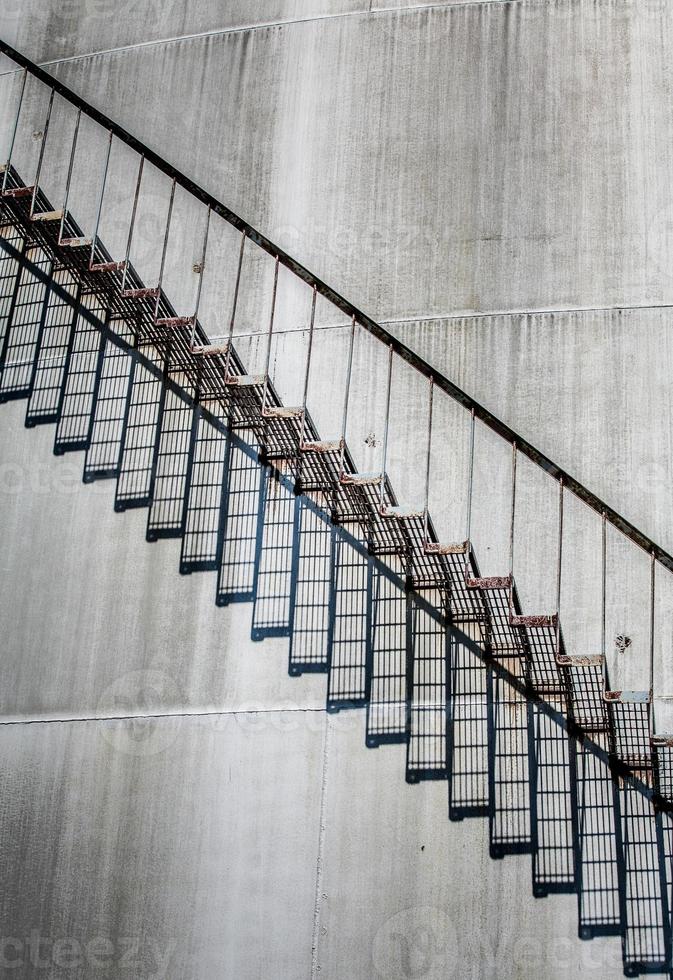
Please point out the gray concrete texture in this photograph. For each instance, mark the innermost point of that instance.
(435, 162)
(447, 168)
(198, 848)
(213, 821)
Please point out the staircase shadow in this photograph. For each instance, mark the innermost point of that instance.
(592, 826)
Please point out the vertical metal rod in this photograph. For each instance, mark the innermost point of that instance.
(653, 568)
(167, 232)
(164, 250)
(308, 366)
(41, 156)
(470, 483)
(268, 343)
(235, 304)
(134, 212)
(426, 504)
(559, 566)
(386, 428)
(603, 579)
(15, 130)
(71, 165)
(513, 513)
(349, 371)
(99, 210)
(202, 270)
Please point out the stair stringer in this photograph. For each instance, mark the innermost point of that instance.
(437, 609)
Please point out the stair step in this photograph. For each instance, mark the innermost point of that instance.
(247, 380)
(144, 293)
(107, 266)
(76, 242)
(48, 216)
(537, 622)
(361, 479)
(19, 192)
(283, 412)
(174, 321)
(383, 647)
(494, 582)
(592, 660)
(209, 350)
(402, 513)
(628, 697)
(435, 548)
(322, 447)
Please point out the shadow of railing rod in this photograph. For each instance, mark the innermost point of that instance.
(616, 519)
(617, 767)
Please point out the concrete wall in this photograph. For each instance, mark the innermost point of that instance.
(433, 161)
(461, 171)
(176, 806)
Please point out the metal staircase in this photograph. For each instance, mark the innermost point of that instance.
(443, 659)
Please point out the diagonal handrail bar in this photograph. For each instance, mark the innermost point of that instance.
(479, 411)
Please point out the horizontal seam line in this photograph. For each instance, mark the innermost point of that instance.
(530, 312)
(224, 31)
(459, 316)
(157, 715)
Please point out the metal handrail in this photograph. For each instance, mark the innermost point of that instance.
(438, 379)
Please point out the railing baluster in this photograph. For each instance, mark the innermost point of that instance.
(470, 488)
(604, 562)
(512, 516)
(232, 320)
(40, 159)
(134, 212)
(202, 269)
(603, 582)
(270, 334)
(308, 367)
(386, 428)
(71, 165)
(426, 504)
(418, 363)
(99, 210)
(653, 571)
(14, 130)
(559, 567)
(349, 373)
(164, 250)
